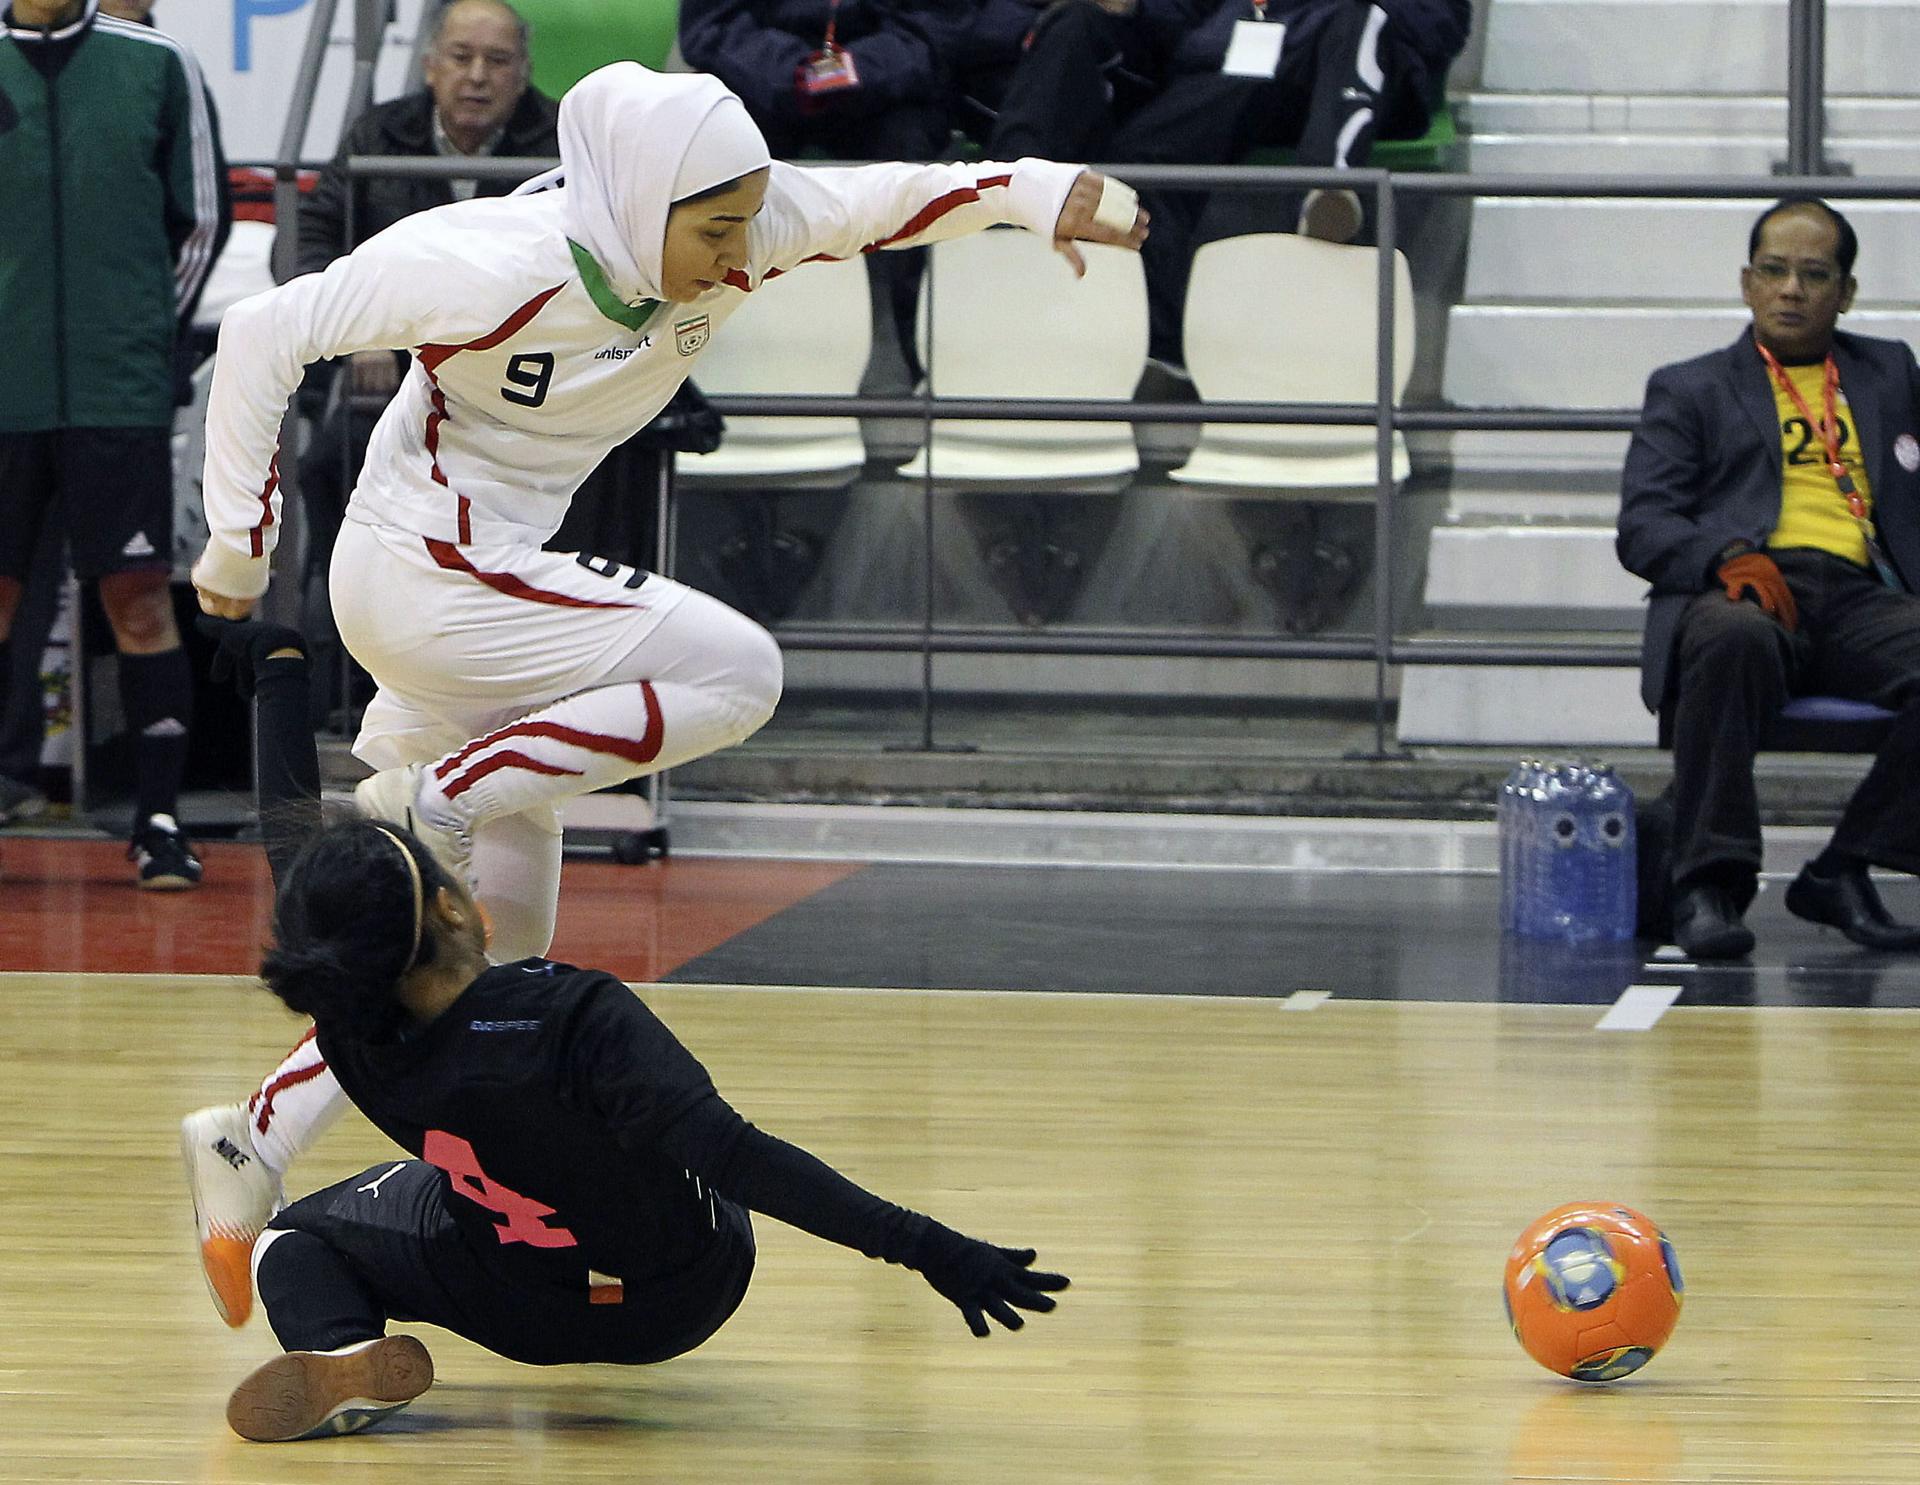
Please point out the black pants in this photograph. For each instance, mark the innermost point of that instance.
(1344, 79)
(1086, 71)
(394, 1251)
(1736, 667)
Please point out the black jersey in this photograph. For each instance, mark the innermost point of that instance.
(567, 1117)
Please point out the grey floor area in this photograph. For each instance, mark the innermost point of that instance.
(1414, 936)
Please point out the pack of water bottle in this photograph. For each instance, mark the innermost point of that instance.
(1567, 852)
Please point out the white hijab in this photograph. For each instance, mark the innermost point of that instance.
(633, 142)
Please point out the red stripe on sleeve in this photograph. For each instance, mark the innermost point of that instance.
(939, 207)
(257, 538)
(921, 220)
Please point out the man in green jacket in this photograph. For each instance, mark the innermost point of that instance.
(110, 186)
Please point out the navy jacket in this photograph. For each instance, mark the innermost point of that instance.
(1195, 32)
(755, 47)
(1704, 471)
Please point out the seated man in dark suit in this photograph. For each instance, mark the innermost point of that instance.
(1771, 496)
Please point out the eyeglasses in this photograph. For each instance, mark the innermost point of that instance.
(1811, 275)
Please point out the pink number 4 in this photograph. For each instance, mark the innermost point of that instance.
(524, 1215)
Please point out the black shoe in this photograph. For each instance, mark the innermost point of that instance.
(19, 801)
(1707, 924)
(1847, 901)
(164, 856)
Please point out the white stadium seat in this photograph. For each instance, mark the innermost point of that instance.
(1276, 317)
(807, 331)
(1010, 320)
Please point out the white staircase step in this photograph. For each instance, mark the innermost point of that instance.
(1690, 46)
(1532, 456)
(1544, 249)
(1571, 356)
(1530, 577)
(1671, 154)
(1524, 706)
(1762, 114)
(1491, 497)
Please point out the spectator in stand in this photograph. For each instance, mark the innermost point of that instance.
(857, 79)
(110, 213)
(1321, 77)
(1036, 74)
(1771, 496)
(477, 101)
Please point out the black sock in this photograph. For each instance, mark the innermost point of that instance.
(157, 694)
(313, 1299)
(1832, 863)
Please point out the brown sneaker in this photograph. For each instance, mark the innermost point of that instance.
(318, 1394)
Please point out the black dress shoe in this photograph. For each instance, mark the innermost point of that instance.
(1848, 901)
(1707, 924)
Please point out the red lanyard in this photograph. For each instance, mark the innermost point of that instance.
(833, 21)
(1828, 428)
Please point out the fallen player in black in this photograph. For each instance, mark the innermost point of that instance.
(579, 1192)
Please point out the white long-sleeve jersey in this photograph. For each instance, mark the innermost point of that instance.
(527, 369)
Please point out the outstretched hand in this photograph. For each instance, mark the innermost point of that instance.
(247, 644)
(982, 1280)
(1082, 220)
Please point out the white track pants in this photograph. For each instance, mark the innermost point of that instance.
(525, 677)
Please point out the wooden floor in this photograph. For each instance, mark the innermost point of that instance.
(1285, 1213)
(1285, 1221)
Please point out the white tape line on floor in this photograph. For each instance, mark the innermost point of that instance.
(1638, 1008)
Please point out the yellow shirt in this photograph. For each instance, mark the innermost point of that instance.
(1813, 512)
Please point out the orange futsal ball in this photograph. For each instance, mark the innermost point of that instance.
(1593, 1290)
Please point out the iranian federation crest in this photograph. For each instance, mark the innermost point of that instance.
(690, 335)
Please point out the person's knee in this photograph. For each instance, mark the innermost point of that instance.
(1726, 634)
(1081, 26)
(759, 674)
(139, 607)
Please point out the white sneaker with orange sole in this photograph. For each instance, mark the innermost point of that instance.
(235, 1195)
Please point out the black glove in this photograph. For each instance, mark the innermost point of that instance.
(245, 645)
(983, 1280)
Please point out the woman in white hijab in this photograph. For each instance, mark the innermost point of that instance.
(546, 328)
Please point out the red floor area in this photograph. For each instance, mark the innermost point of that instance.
(71, 906)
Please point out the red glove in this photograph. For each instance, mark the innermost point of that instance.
(1757, 573)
